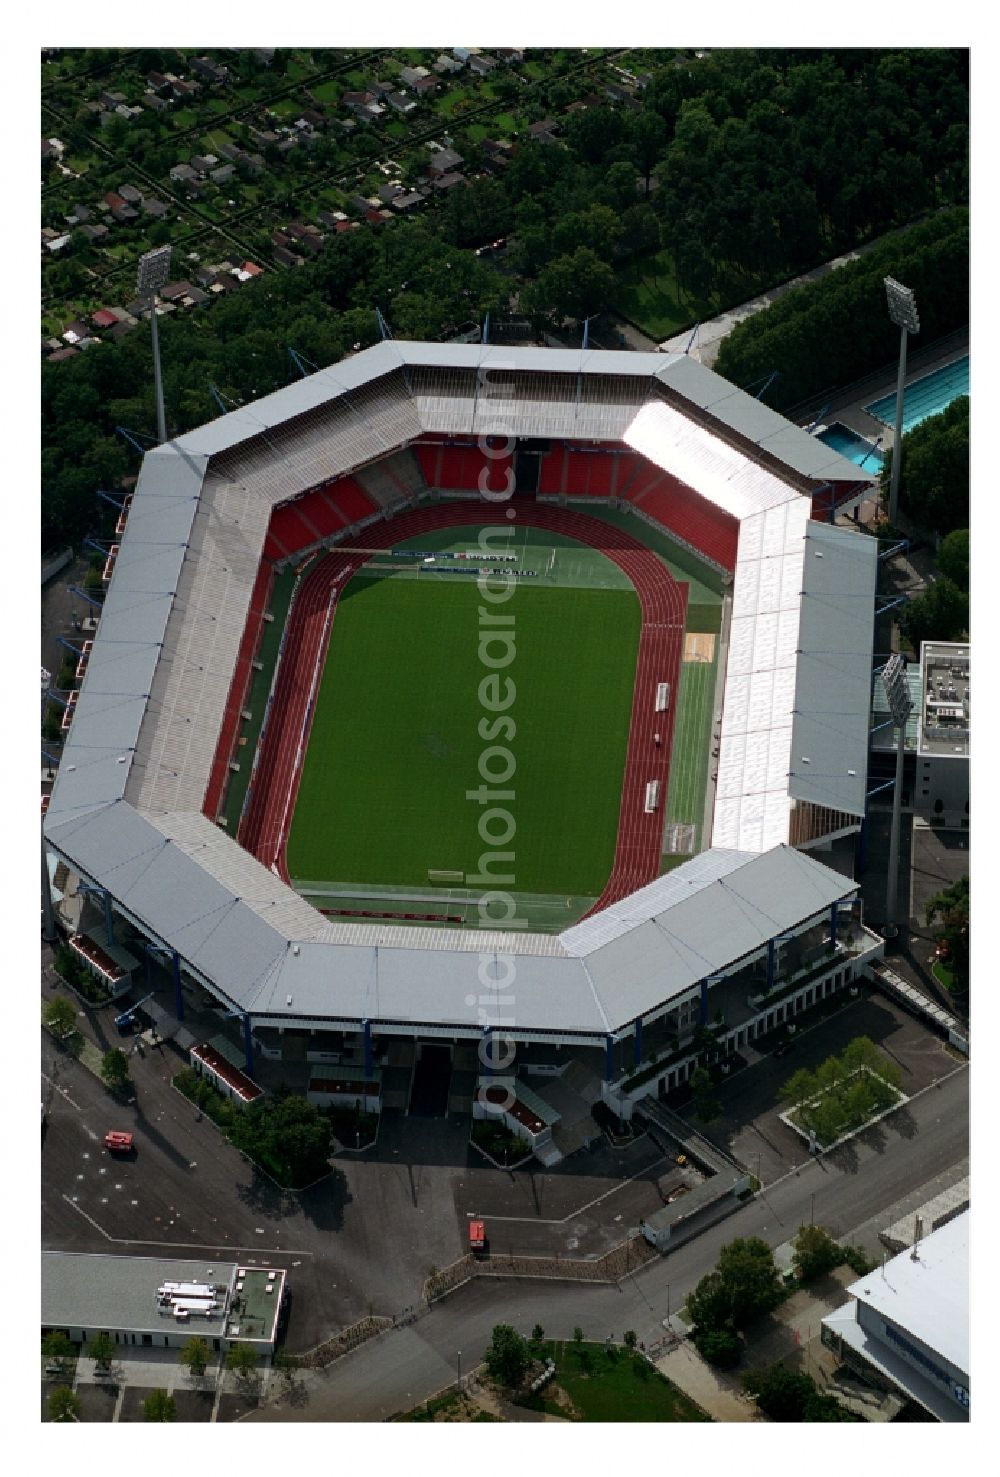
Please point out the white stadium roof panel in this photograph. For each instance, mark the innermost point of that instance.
(149, 712)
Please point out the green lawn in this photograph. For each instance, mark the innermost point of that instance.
(648, 294)
(401, 682)
(613, 1386)
(691, 746)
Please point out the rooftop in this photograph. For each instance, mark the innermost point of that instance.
(945, 699)
(96, 1292)
(927, 1294)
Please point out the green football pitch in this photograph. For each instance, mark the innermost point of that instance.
(396, 737)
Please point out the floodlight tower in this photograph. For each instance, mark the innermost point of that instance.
(897, 692)
(154, 273)
(902, 312)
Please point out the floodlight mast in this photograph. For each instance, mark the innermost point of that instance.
(897, 691)
(154, 273)
(902, 312)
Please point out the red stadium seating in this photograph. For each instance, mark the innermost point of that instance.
(693, 519)
(351, 501)
(462, 468)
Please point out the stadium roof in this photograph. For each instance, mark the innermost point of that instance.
(126, 806)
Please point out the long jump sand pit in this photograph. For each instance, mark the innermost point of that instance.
(699, 646)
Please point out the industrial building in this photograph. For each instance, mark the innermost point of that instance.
(942, 782)
(154, 1302)
(906, 1328)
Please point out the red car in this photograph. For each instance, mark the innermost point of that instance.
(118, 1143)
(477, 1235)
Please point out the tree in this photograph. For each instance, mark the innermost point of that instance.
(242, 1360)
(630, 1338)
(59, 1016)
(101, 1348)
(780, 1393)
(576, 286)
(743, 1286)
(159, 1406)
(57, 1345)
(537, 1334)
(705, 1104)
(953, 558)
(114, 1069)
(816, 1252)
(63, 1404)
(934, 475)
(578, 1335)
(194, 1355)
(949, 909)
(720, 1347)
(507, 1357)
(941, 613)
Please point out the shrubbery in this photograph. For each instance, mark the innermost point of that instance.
(844, 1092)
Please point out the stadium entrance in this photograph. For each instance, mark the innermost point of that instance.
(431, 1080)
(528, 465)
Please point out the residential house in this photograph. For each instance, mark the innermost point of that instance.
(410, 76)
(331, 218)
(280, 238)
(157, 82)
(94, 233)
(232, 152)
(203, 162)
(223, 174)
(57, 242)
(120, 313)
(254, 162)
(461, 53)
(251, 269)
(153, 101)
(183, 174)
(113, 201)
(75, 331)
(444, 161)
(286, 145)
(401, 103)
(512, 55)
(68, 353)
(342, 226)
(51, 345)
(130, 194)
(264, 54)
(313, 118)
(481, 64)
(360, 203)
(287, 258)
(263, 135)
(377, 217)
(155, 208)
(103, 318)
(121, 329)
(175, 292)
(184, 89)
(447, 65)
(447, 182)
(544, 131)
(111, 99)
(209, 69)
(380, 89)
(206, 276)
(78, 215)
(124, 213)
(405, 203)
(387, 193)
(424, 86)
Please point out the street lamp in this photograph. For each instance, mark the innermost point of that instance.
(154, 273)
(897, 692)
(902, 312)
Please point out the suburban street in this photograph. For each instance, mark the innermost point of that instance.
(842, 1190)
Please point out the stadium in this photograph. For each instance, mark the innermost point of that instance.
(463, 693)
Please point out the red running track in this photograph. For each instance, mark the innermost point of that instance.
(267, 818)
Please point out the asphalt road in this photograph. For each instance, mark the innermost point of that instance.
(842, 1190)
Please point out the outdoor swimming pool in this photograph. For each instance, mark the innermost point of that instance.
(925, 397)
(848, 443)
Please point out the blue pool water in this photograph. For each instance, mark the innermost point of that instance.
(854, 447)
(925, 397)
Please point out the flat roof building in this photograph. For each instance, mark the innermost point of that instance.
(907, 1327)
(942, 788)
(157, 1302)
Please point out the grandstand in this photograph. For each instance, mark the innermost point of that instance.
(324, 467)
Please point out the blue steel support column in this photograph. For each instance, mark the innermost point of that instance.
(609, 1057)
(703, 1004)
(178, 997)
(366, 1027)
(108, 919)
(248, 1044)
(637, 1044)
(487, 1053)
(771, 951)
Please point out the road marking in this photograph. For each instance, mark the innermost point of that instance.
(534, 1220)
(211, 1246)
(63, 1093)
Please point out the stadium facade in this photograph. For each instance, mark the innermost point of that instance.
(136, 809)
